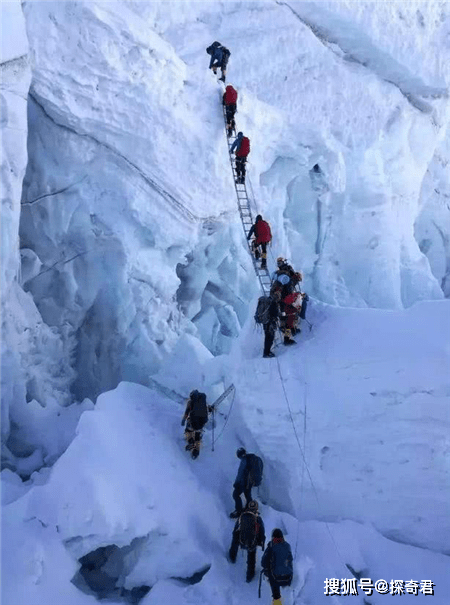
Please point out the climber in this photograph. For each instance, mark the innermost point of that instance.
(263, 236)
(248, 533)
(219, 58)
(284, 279)
(249, 475)
(195, 417)
(292, 306)
(277, 564)
(270, 322)
(229, 101)
(242, 146)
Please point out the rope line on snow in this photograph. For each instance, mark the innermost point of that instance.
(226, 421)
(305, 463)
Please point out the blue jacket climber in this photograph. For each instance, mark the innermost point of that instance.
(216, 57)
(242, 474)
(237, 142)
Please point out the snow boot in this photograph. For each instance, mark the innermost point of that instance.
(263, 264)
(249, 577)
(222, 79)
(287, 338)
(195, 452)
(277, 602)
(269, 354)
(234, 514)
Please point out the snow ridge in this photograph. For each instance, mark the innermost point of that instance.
(353, 45)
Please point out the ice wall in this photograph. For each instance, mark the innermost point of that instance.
(431, 228)
(125, 180)
(35, 364)
(129, 233)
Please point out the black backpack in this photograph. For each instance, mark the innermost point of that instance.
(210, 50)
(262, 315)
(226, 53)
(281, 563)
(248, 530)
(199, 408)
(255, 470)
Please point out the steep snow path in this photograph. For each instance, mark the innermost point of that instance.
(369, 396)
(353, 45)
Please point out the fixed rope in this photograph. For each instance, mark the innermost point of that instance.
(215, 404)
(304, 461)
(245, 213)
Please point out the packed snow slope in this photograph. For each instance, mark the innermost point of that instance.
(128, 230)
(123, 261)
(366, 395)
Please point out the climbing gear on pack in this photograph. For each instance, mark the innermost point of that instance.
(248, 530)
(262, 313)
(244, 148)
(256, 468)
(230, 95)
(281, 563)
(263, 232)
(199, 407)
(280, 260)
(253, 506)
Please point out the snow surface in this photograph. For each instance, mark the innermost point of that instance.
(374, 435)
(130, 265)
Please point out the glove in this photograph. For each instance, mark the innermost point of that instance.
(183, 420)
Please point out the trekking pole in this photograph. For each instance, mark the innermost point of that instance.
(214, 422)
(260, 581)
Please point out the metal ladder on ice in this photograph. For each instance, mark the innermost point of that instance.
(245, 213)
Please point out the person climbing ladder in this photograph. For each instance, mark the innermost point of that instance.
(263, 236)
(242, 147)
(219, 58)
(229, 101)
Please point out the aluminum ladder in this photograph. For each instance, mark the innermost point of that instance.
(245, 213)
